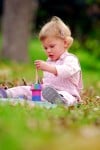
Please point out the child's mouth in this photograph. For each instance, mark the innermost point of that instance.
(51, 56)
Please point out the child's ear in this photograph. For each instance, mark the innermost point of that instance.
(68, 42)
(65, 43)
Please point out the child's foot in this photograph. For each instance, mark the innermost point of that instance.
(52, 96)
(3, 93)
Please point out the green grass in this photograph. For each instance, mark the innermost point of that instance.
(23, 127)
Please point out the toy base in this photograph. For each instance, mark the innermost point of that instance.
(36, 98)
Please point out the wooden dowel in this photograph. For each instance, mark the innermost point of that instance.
(36, 76)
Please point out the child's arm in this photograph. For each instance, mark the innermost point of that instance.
(42, 65)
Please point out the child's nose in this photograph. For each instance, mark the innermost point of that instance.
(48, 50)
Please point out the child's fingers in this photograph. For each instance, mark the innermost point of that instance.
(37, 62)
(37, 65)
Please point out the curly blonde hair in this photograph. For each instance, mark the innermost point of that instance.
(56, 28)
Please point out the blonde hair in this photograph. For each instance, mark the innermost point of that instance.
(56, 28)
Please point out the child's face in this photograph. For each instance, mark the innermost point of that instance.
(54, 47)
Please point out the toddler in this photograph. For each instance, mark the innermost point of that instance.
(62, 77)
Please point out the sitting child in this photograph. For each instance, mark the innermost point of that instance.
(62, 80)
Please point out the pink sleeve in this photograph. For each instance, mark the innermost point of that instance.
(68, 68)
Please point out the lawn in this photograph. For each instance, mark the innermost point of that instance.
(25, 127)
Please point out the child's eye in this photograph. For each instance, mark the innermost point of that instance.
(52, 46)
(45, 48)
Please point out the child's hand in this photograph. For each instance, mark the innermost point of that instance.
(41, 65)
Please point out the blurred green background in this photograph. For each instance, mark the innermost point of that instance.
(24, 127)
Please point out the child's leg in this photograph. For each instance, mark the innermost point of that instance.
(68, 98)
(18, 91)
(59, 97)
(51, 95)
(3, 93)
